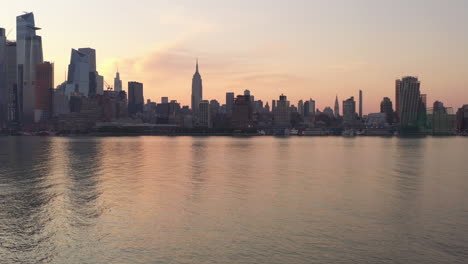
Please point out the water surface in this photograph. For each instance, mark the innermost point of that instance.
(233, 200)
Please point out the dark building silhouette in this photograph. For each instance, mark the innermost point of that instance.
(386, 107)
(136, 100)
(462, 119)
(360, 104)
(44, 91)
(349, 110)
(197, 90)
(229, 102)
(242, 112)
(409, 97)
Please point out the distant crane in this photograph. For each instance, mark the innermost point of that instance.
(108, 87)
(9, 31)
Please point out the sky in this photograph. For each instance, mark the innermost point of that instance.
(301, 48)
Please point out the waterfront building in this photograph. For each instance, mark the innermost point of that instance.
(204, 114)
(349, 111)
(386, 107)
(44, 87)
(117, 82)
(197, 90)
(443, 120)
(376, 120)
(409, 102)
(135, 98)
(282, 112)
(11, 84)
(229, 102)
(462, 119)
(28, 55)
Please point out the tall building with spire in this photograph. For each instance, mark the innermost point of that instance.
(28, 55)
(197, 90)
(117, 82)
(337, 107)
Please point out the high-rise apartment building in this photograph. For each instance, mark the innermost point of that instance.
(386, 107)
(197, 90)
(204, 119)
(229, 102)
(409, 98)
(300, 108)
(242, 112)
(349, 110)
(44, 91)
(136, 100)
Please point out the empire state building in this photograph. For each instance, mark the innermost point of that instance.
(197, 90)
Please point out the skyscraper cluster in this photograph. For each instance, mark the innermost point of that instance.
(29, 100)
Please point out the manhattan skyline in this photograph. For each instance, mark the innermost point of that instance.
(307, 49)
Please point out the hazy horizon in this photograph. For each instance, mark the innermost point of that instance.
(304, 49)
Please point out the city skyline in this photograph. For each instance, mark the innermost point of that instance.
(267, 64)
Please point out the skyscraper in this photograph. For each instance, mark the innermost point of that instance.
(360, 104)
(204, 119)
(242, 112)
(282, 112)
(44, 91)
(300, 108)
(409, 98)
(135, 98)
(349, 110)
(386, 107)
(397, 99)
(117, 82)
(28, 55)
(337, 108)
(229, 102)
(78, 74)
(197, 90)
(94, 77)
